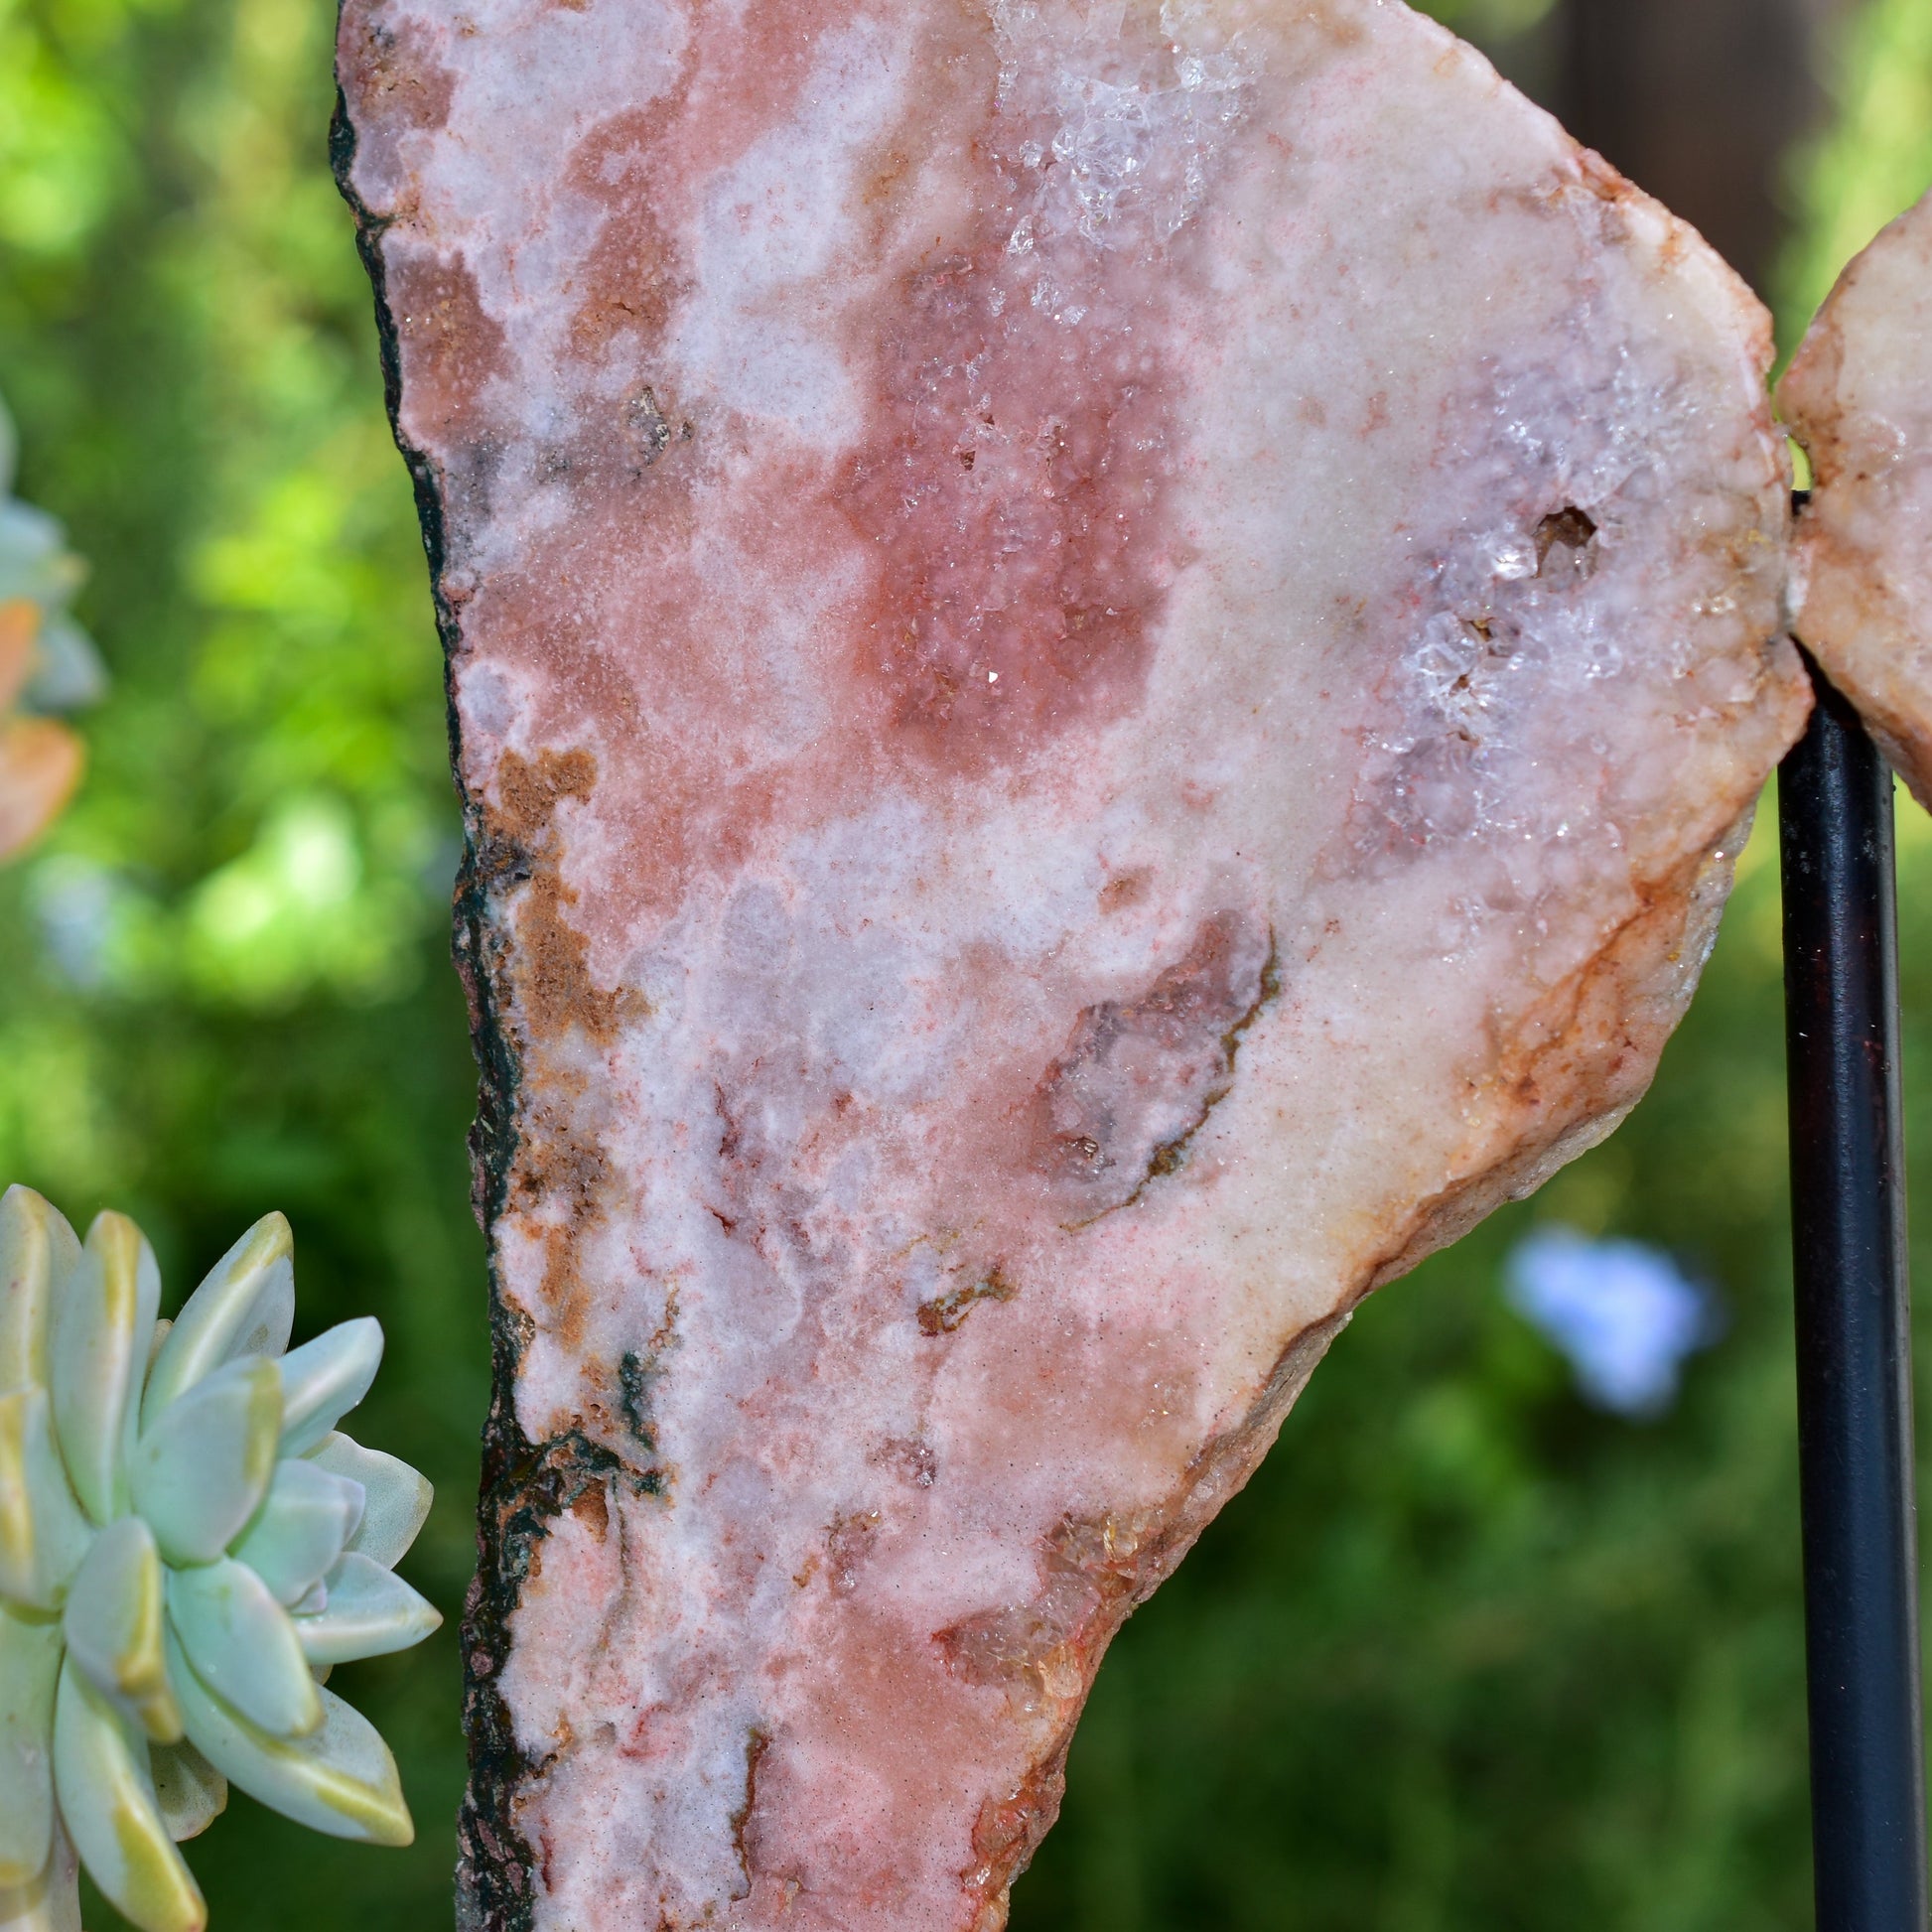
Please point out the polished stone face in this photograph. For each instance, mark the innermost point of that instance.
(1858, 397)
(1107, 659)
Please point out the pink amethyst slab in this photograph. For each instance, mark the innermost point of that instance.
(1106, 662)
(1858, 397)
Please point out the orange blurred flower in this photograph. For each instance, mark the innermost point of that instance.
(41, 761)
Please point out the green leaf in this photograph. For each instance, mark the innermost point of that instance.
(244, 1307)
(398, 1496)
(30, 1667)
(38, 1251)
(107, 1794)
(340, 1779)
(191, 1792)
(48, 1903)
(244, 1646)
(200, 1470)
(113, 1626)
(371, 1612)
(102, 1328)
(302, 1529)
(43, 1534)
(323, 1379)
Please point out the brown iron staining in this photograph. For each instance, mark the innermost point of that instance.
(549, 966)
(559, 1174)
(1139, 1077)
(1007, 1830)
(756, 1744)
(944, 1312)
(1093, 1571)
(1039, 1651)
(1043, 1655)
(1575, 1061)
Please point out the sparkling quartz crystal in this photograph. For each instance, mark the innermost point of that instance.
(186, 1546)
(1859, 396)
(1107, 663)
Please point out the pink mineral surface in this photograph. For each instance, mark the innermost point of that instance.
(1107, 659)
(1858, 397)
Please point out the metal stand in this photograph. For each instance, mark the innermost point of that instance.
(1855, 1405)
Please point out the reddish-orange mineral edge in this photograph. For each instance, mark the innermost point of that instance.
(1106, 660)
(1858, 397)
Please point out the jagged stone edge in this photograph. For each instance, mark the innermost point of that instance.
(523, 1484)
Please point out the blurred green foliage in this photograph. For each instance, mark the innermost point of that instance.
(1465, 1653)
(1489, 20)
(223, 980)
(1873, 156)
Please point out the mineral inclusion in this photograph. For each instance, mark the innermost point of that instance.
(1107, 661)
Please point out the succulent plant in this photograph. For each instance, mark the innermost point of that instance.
(47, 663)
(186, 1545)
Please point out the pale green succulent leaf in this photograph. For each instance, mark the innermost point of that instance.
(191, 1792)
(371, 1612)
(340, 1779)
(38, 1251)
(152, 1547)
(43, 1534)
(245, 1306)
(102, 1328)
(113, 1626)
(301, 1529)
(398, 1497)
(107, 1802)
(244, 1646)
(30, 1667)
(202, 1467)
(48, 1903)
(323, 1379)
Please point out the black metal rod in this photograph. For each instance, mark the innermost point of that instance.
(1855, 1402)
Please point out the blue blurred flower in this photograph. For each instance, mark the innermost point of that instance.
(1624, 1314)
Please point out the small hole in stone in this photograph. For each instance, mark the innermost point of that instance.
(1570, 531)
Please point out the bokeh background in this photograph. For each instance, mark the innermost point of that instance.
(1467, 1652)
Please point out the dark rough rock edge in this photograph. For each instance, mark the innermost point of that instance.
(524, 1485)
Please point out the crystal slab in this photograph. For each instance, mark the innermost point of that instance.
(1859, 396)
(1107, 661)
